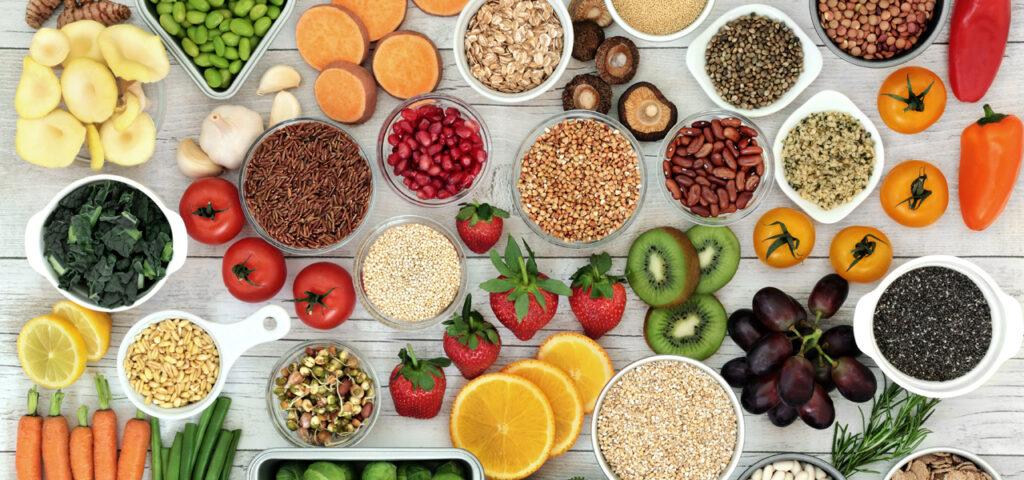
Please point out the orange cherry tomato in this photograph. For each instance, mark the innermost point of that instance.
(911, 99)
(915, 193)
(861, 254)
(783, 237)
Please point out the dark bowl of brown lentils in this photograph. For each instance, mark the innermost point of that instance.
(878, 33)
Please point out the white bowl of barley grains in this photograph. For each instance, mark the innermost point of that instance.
(667, 417)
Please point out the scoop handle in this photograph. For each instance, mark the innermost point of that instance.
(1014, 320)
(236, 338)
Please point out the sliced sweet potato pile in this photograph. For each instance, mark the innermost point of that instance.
(380, 17)
(346, 93)
(442, 8)
(406, 64)
(328, 33)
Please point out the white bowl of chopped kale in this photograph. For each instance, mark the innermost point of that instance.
(106, 242)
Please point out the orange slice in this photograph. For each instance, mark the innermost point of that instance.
(561, 393)
(583, 359)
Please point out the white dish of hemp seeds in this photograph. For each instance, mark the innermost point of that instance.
(828, 101)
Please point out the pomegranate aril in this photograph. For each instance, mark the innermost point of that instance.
(434, 171)
(423, 137)
(409, 114)
(443, 194)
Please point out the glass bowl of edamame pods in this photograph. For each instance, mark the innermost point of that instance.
(217, 42)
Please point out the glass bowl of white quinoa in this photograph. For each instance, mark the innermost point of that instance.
(410, 273)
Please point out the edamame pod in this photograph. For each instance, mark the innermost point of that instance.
(261, 26)
(230, 39)
(244, 49)
(216, 3)
(218, 46)
(206, 47)
(242, 7)
(213, 19)
(257, 12)
(213, 78)
(231, 53)
(235, 67)
(242, 27)
(225, 77)
(169, 25)
(201, 5)
(203, 60)
(195, 17)
(163, 8)
(273, 12)
(218, 61)
(178, 11)
(189, 47)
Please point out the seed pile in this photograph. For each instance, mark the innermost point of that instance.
(514, 45)
(411, 273)
(580, 181)
(828, 158)
(667, 420)
(753, 61)
(172, 363)
(659, 17)
(941, 466)
(933, 323)
(307, 185)
(875, 29)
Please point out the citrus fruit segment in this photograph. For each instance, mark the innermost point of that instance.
(94, 327)
(51, 351)
(507, 422)
(561, 393)
(583, 359)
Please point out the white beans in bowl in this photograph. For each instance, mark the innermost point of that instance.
(789, 470)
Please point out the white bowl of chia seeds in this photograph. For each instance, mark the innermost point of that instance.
(939, 326)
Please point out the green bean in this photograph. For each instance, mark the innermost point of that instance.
(230, 460)
(195, 17)
(242, 7)
(169, 25)
(231, 53)
(241, 27)
(189, 47)
(218, 61)
(273, 12)
(201, 5)
(206, 47)
(203, 60)
(204, 423)
(213, 79)
(213, 19)
(261, 26)
(244, 49)
(162, 8)
(156, 448)
(235, 67)
(257, 12)
(188, 441)
(218, 46)
(220, 455)
(214, 425)
(230, 39)
(165, 454)
(174, 460)
(178, 11)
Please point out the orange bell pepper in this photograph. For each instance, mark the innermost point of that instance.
(991, 151)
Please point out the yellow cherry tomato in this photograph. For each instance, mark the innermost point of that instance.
(783, 237)
(914, 193)
(911, 99)
(861, 254)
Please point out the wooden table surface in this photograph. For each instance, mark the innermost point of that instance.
(989, 421)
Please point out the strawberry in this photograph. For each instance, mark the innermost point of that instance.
(479, 225)
(417, 386)
(598, 299)
(522, 298)
(472, 343)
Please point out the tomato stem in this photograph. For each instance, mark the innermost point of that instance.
(783, 238)
(242, 271)
(208, 211)
(863, 249)
(914, 101)
(918, 194)
(313, 299)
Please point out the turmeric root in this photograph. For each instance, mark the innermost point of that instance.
(38, 11)
(103, 11)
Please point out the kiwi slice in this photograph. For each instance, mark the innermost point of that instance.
(718, 250)
(662, 267)
(694, 329)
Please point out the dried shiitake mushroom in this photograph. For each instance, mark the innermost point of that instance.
(587, 92)
(617, 59)
(646, 112)
(587, 37)
(594, 10)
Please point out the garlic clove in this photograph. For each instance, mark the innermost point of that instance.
(193, 161)
(277, 78)
(285, 107)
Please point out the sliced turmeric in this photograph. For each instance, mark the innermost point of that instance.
(328, 33)
(346, 93)
(380, 17)
(441, 8)
(406, 64)
(106, 12)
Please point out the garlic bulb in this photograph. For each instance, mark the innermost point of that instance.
(227, 133)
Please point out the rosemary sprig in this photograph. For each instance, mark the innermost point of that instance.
(893, 430)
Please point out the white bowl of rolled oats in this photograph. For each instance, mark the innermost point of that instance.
(942, 462)
(512, 51)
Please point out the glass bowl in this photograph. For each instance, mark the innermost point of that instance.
(384, 148)
(528, 143)
(396, 323)
(156, 107)
(250, 218)
(278, 416)
(763, 188)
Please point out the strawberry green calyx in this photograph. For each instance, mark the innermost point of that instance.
(521, 279)
(420, 373)
(476, 212)
(594, 278)
(470, 329)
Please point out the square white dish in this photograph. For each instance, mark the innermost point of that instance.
(827, 101)
(696, 63)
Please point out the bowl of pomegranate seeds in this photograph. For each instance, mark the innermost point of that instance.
(433, 149)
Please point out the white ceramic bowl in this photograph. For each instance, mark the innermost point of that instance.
(1007, 329)
(458, 45)
(955, 451)
(34, 242)
(696, 63)
(596, 447)
(659, 38)
(827, 101)
(232, 340)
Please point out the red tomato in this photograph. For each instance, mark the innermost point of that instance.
(211, 210)
(253, 270)
(324, 296)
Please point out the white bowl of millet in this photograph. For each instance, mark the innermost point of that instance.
(678, 412)
(659, 20)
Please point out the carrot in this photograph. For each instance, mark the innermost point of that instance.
(328, 33)
(30, 433)
(406, 64)
(346, 93)
(104, 434)
(380, 17)
(56, 458)
(134, 445)
(441, 8)
(81, 447)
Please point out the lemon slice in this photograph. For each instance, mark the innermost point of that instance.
(51, 351)
(94, 327)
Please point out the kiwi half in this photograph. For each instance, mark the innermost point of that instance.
(718, 250)
(694, 329)
(662, 267)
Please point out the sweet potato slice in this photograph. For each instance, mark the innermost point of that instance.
(346, 93)
(380, 17)
(441, 8)
(406, 64)
(328, 33)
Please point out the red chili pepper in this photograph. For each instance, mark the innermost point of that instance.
(977, 40)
